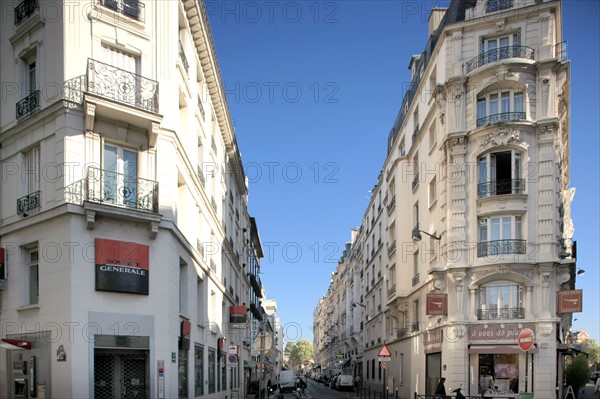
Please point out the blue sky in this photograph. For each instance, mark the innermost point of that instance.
(313, 89)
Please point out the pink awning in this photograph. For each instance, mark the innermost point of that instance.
(18, 344)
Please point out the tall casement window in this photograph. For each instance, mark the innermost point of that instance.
(500, 173)
(500, 300)
(500, 106)
(33, 275)
(198, 370)
(30, 94)
(499, 47)
(32, 169)
(122, 84)
(500, 235)
(120, 175)
(212, 363)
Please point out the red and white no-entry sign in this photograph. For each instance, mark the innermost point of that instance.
(526, 339)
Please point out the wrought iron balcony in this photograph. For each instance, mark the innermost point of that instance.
(498, 5)
(28, 105)
(392, 204)
(415, 181)
(500, 314)
(183, 58)
(503, 117)
(560, 50)
(415, 279)
(401, 332)
(28, 203)
(500, 187)
(201, 108)
(130, 8)
(122, 86)
(392, 248)
(112, 188)
(501, 247)
(414, 327)
(415, 133)
(391, 290)
(500, 54)
(24, 10)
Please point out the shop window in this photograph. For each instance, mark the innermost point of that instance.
(198, 370)
(212, 362)
(498, 373)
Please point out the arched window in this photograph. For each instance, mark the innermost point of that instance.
(500, 300)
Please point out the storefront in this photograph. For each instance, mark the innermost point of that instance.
(497, 366)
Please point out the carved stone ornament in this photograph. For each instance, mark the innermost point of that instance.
(500, 25)
(502, 137)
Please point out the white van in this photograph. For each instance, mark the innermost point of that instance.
(344, 381)
(286, 380)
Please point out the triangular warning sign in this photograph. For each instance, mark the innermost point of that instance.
(384, 351)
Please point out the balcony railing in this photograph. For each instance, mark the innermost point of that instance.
(500, 54)
(109, 187)
(122, 86)
(415, 181)
(392, 204)
(401, 332)
(184, 60)
(213, 203)
(28, 105)
(391, 290)
(503, 117)
(392, 248)
(500, 314)
(415, 279)
(201, 176)
(501, 247)
(560, 51)
(415, 133)
(28, 203)
(24, 10)
(500, 187)
(414, 327)
(498, 5)
(130, 8)
(201, 108)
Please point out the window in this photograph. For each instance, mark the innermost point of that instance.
(32, 170)
(183, 294)
(500, 173)
(498, 5)
(500, 106)
(500, 235)
(416, 215)
(415, 326)
(34, 276)
(402, 147)
(415, 263)
(119, 175)
(415, 165)
(29, 90)
(199, 301)
(198, 370)
(497, 48)
(223, 373)
(212, 362)
(500, 300)
(432, 192)
(432, 137)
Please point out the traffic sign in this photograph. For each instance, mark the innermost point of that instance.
(384, 365)
(384, 351)
(383, 359)
(526, 339)
(232, 359)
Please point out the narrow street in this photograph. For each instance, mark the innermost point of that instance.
(317, 390)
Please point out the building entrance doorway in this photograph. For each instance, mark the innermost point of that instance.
(120, 374)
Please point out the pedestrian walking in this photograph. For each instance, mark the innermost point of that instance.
(440, 391)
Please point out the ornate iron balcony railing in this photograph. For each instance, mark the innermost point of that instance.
(392, 248)
(391, 290)
(501, 118)
(560, 50)
(109, 187)
(414, 327)
(24, 10)
(500, 54)
(184, 60)
(498, 5)
(130, 8)
(401, 332)
(415, 181)
(122, 86)
(28, 203)
(392, 204)
(500, 314)
(28, 105)
(415, 279)
(501, 247)
(500, 187)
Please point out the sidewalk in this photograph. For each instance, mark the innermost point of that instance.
(589, 392)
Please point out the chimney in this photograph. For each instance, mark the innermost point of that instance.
(435, 18)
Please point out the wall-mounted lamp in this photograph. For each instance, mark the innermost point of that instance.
(359, 304)
(416, 235)
(244, 230)
(580, 272)
(564, 254)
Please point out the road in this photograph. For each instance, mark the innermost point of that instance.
(316, 390)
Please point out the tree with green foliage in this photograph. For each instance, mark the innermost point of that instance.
(289, 348)
(590, 346)
(303, 350)
(578, 373)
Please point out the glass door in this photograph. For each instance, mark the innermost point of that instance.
(120, 176)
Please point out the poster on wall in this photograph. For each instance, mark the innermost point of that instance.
(122, 266)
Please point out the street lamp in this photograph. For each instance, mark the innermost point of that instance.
(416, 234)
(359, 304)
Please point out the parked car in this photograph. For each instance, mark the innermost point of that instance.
(320, 378)
(344, 382)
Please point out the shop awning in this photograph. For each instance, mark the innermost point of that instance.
(247, 365)
(498, 349)
(14, 344)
